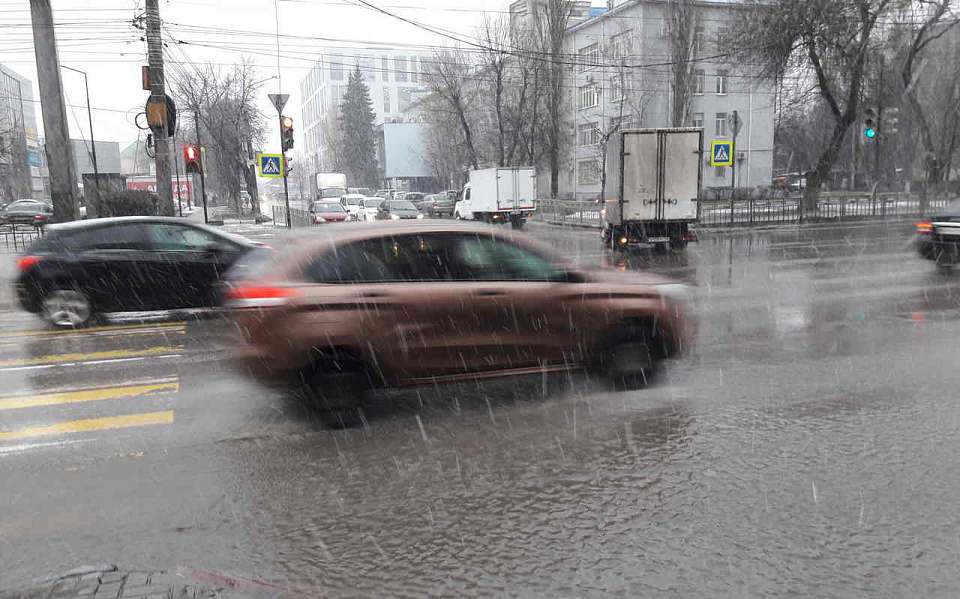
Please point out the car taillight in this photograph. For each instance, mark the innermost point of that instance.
(27, 262)
(258, 297)
(924, 227)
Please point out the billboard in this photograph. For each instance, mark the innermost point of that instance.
(150, 184)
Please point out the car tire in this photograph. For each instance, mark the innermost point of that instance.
(67, 308)
(632, 360)
(335, 385)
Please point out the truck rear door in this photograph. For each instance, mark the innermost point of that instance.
(680, 168)
(515, 189)
(639, 162)
(661, 174)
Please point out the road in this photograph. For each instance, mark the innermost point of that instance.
(805, 448)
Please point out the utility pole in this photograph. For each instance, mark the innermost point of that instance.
(63, 178)
(176, 166)
(877, 141)
(283, 169)
(158, 99)
(733, 167)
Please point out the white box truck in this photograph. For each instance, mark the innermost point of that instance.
(498, 195)
(329, 186)
(657, 177)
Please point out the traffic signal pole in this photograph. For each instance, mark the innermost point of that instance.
(283, 168)
(203, 186)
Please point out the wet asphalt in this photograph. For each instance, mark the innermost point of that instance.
(807, 447)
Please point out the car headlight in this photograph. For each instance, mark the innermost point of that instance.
(419, 216)
(675, 291)
(394, 217)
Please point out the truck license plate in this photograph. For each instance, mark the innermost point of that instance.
(657, 239)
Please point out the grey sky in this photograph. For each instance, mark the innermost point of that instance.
(97, 36)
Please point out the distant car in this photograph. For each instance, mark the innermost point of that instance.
(441, 204)
(397, 210)
(444, 302)
(84, 268)
(359, 191)
(28, 212)
(383, 193)
(938, 238)
(328, 212)
(351, 202)
(414, 196)
(371, 206)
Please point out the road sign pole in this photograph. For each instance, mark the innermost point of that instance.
(733, 154)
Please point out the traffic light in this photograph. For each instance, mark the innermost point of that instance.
(870, 124)
(286, 133)
(891, 121)
(191, 159)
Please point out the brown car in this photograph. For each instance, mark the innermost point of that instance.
(409, 303)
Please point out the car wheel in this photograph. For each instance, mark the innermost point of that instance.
(632, 361)
(67, 308)
(335, 385)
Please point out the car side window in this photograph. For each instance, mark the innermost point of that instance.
(486, 258)
(117, 237)
(169, 237)
(385, 260)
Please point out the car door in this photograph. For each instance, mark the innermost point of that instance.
(190, 262)
(112, 265)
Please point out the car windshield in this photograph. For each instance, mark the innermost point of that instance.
(328, 207)
(679, 315)
(401, 205)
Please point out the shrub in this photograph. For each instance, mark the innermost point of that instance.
(130, 202)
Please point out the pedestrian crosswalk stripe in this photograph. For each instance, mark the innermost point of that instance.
(85, 395)
(89, 425)
(88, 356)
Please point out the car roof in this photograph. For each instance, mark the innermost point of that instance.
(95, 223)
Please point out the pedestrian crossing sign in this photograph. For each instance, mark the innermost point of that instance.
(270, 165)
(721, 153)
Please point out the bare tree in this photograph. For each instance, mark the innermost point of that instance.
(449, 78)
(682, 25)
(231, 124)
(830, 37)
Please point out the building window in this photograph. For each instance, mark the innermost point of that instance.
(698, 120)
(386, 100)
(400, 69)
(721, 83)
(619, 124)
(721, 130)
(699, 81)
(720, 172)
(404, 98)
(385, 68)
(588, 57)
(589, 96)
(588, 172)
(620, 45)
(336, 69)
(723, 33)
(588, 134)
(699, 40)
(616, 88)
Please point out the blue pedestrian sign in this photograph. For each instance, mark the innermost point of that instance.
(721, 153)
(270, 166)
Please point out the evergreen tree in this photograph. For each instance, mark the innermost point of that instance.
(357, 149)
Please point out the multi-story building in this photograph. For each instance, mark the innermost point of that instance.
(622, 78)
(395, 77)
(21, 155)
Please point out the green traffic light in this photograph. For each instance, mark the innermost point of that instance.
(869, 132)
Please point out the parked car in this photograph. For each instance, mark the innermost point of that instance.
(28, 212)
(444, 301)
(370, 207)
(397, 210)
(938, 238)
(351, 202)
(81, 269)
(441, 204)
(328, 212)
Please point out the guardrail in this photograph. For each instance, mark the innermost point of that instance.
(298, 217)
(761, 211)
(17, 238)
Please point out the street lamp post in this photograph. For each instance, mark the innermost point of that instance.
(93, 143)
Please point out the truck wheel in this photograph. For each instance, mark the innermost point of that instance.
(517, 222)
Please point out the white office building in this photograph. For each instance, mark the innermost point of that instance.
(395, 78)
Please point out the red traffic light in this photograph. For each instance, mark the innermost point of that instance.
(191, 158)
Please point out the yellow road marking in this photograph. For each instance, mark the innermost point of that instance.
(55, 399)
(90, 424)
(89, 356)
(104, 329)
